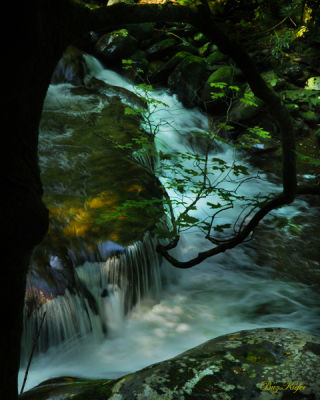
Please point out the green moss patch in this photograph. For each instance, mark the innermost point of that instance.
(88, 172)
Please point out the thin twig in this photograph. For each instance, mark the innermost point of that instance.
(32, 352)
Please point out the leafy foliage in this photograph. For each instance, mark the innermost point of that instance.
(189, 176)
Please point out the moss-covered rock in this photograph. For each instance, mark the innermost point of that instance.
(139, 67)
(162, 73)
(120, 93)
(260, 364)
(187, 79)
(162, 48)
(216, 57)
(221, 75)
(92, 175)
(245, 108)
(185, 45)
(116, 45)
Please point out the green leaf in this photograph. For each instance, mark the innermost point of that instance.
(222, 227)
(188, 219)
(211, 205)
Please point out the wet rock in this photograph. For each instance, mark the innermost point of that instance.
(256, 364)
(221, 75)
(245, 110)
(71, 68)
(162, 48)
(246, 107)
(188, 47)
(187, 79)
(294, 72)
(162, 73)
(216, 57)
(273, 79)
(138, 69)
(116, 45)
(116, 91)
(302, 100)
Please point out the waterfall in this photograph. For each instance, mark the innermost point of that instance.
(115, 287)
(239, 289)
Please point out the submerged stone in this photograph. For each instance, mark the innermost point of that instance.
(260, 364)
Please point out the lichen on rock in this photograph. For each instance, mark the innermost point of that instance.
(251, 364)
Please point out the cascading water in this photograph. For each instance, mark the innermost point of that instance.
(115, 285)
(224, 294)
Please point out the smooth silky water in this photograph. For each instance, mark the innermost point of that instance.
(184, 308)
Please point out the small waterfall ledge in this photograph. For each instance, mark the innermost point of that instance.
(104, 294)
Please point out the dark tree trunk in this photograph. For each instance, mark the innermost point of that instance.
(28, 63)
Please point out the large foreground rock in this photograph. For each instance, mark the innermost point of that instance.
(262, 364)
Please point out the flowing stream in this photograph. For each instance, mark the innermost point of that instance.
(227, 293)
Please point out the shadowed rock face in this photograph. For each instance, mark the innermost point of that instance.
(257, 364)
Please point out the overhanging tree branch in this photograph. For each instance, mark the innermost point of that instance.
(273, 204)
(122, 14)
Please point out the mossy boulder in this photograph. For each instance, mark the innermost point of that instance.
(116, 45)
(162, 73)
(246, 107)
(71, 68)
(216, 57)
(259, 364)
(185, 45)
(163, 48)
(139, 67)
(223, 75)
(302, 101)
(92, 174)
(273, 79)
(187, 79)
(120, 93)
